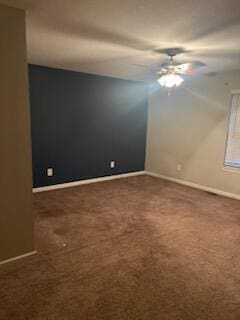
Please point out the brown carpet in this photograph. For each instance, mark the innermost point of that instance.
(136, 248)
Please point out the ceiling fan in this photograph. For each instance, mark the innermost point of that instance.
(170, 73)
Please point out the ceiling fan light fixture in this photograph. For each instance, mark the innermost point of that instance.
(170, 80)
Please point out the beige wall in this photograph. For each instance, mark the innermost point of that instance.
(16, 221)
(189, 128)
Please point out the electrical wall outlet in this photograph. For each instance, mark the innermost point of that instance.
(179, 167)
(112, 164)
(49, 172)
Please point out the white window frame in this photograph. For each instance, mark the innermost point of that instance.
(232, 168)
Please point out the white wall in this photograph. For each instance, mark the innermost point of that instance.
(189, 128)
(16, 218)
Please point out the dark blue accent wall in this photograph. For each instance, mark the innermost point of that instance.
(81, 122)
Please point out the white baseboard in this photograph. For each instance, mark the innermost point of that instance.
(195, 185)
(87, 181)
(18, 257)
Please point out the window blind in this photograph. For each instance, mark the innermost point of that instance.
(232, 154)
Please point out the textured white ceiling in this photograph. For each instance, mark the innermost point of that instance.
(109, 37)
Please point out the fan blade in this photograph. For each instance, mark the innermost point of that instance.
(188, 68)
(183, 67)
(162, 70)
(167, 64)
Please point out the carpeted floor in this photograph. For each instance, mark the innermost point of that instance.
(136, 248)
